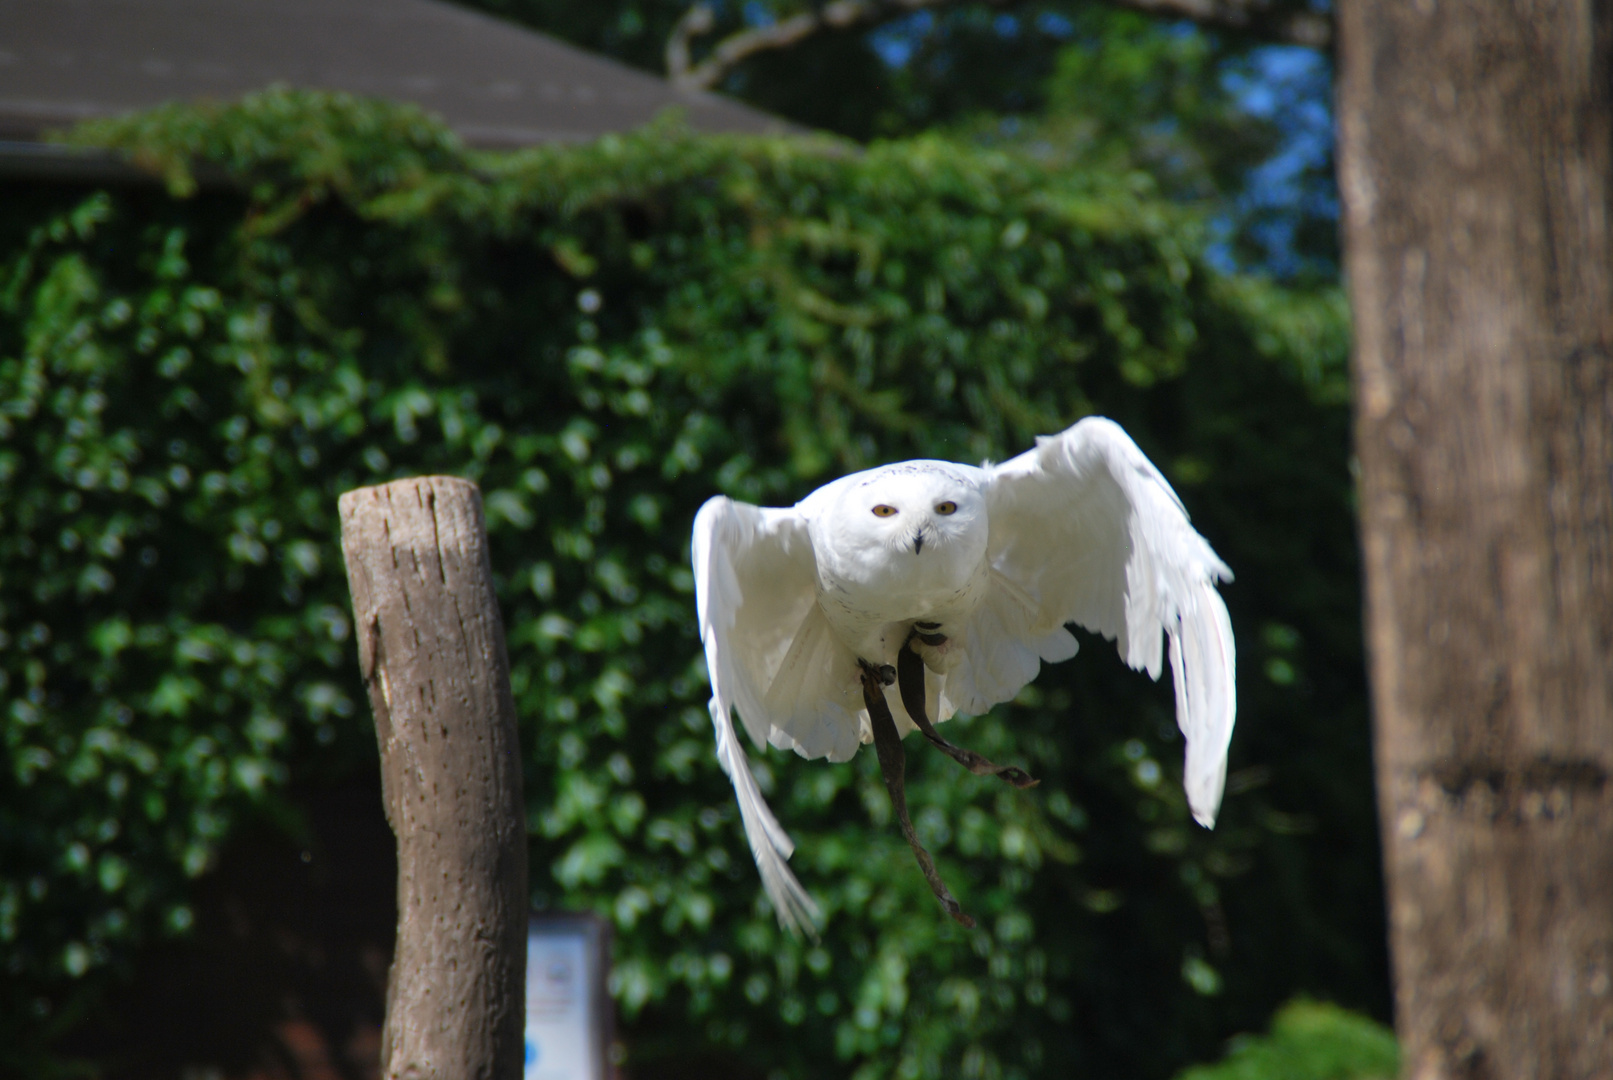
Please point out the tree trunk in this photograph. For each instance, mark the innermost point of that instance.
(1475, 169)
(431, 647)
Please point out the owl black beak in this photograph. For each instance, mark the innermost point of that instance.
(918, 541)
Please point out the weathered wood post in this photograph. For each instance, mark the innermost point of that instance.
(431, 648)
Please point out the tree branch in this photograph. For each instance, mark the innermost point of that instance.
(1259, 18)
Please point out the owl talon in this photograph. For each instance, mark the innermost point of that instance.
(884, 674)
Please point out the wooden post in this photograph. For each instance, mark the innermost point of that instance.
(431, 647)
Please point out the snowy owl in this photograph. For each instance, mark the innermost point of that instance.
(949, 585)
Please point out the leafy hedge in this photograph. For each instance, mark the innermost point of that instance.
(1309, 1041)
(601, 337)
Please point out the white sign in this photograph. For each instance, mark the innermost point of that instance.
(566, 1029)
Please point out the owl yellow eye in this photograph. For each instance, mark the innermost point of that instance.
(946, 508)
(884, 511)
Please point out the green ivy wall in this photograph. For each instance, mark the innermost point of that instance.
(602, 337)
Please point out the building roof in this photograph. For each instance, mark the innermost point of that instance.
(495, 83)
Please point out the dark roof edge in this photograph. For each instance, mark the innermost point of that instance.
(47, 161)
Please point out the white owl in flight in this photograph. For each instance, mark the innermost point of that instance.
(963, 579)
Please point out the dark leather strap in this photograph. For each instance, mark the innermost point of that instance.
(893, 765)
(910, 681)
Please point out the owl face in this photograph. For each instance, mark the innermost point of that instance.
(914, 509)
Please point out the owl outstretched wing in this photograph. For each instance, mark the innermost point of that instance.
(1084, 529)
(754, 586)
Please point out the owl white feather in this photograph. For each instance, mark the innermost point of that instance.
(994, 562)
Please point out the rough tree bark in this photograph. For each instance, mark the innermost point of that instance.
(1475, 169)
(431, 648)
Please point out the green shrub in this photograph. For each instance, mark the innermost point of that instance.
(1309, 1041)
(602, 337)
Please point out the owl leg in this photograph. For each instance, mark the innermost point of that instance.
(910, 681)
(893, 766)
